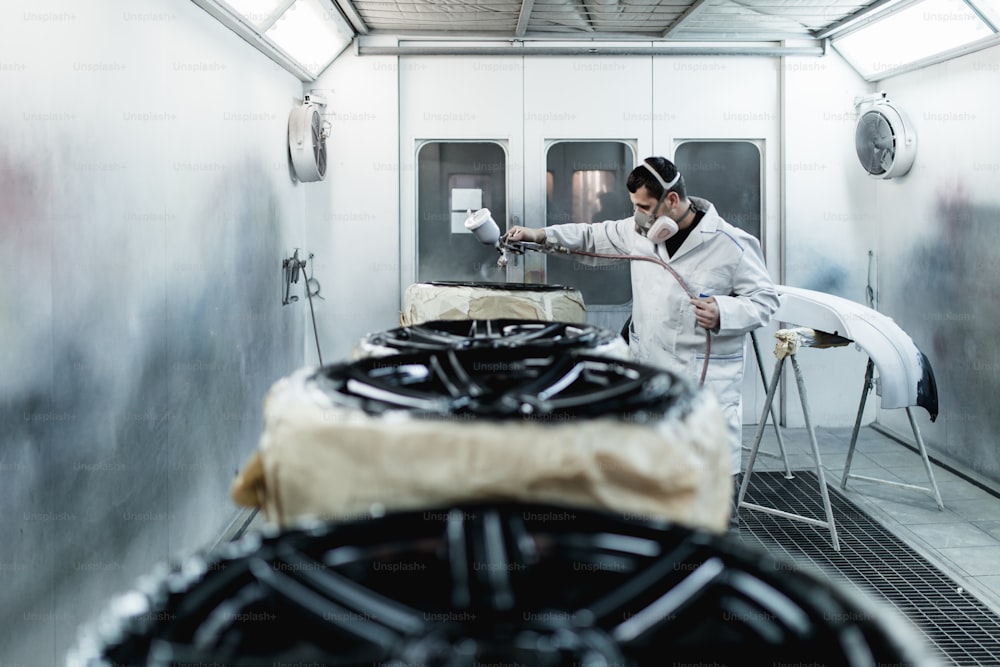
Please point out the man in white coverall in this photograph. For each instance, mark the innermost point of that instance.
(722, 266)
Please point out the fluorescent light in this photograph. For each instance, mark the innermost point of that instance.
(259, 13)
(312, 33)
(861, 17)
(921, 30)
(303, 36)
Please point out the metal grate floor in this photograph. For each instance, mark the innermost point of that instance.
(962, 629)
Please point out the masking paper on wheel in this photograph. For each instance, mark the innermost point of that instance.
(319, 460)
(425, 302)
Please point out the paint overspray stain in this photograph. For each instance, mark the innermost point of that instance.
(947, 297)
(150, 395)
(24, 202)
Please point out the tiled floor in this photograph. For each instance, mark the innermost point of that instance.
(963, 539)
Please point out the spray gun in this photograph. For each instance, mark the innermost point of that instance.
(486, 230)
(482, 225)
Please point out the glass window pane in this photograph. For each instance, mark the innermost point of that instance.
(451, 178)
(727, 173)
(585, 182)
(590, 189)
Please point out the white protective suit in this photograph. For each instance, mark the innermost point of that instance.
(718, 260)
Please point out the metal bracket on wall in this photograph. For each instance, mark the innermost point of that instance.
(291, 267)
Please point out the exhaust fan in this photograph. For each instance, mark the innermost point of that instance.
(884, 139)
(307, 135)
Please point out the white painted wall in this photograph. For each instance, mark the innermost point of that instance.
(579, 98)
(830, 225)
(939, 230)
(353, 219)
(145, 207)
(457, 99)
(729, 98)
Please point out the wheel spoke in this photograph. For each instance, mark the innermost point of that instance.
(363, 601)
(668, 605)
(318, 608)
(478, 552)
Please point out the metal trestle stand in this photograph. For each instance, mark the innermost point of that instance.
(782, 454)
(789, 341)
(932, 490)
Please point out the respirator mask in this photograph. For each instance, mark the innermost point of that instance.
(662, 228)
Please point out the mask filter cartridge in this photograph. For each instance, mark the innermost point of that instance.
(662, 228)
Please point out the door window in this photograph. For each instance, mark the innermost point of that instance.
(585, 182)
(728, 174)
(453, 178)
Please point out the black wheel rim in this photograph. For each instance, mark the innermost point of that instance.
(521, 382)
(481, 584)
(462, 334)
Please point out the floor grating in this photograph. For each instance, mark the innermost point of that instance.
(964, 630)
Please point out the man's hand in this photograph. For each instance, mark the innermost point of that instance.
(706, 312)
(517, 234)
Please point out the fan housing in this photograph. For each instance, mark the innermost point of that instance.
(307, 135)
(884, 139)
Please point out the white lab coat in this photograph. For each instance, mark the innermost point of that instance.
(718, 260)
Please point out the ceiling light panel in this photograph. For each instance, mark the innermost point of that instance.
(258, 13)
(918, 31)
(312, 33)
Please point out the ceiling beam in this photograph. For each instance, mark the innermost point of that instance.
(691, 12)
(522, 19)
(347, 8)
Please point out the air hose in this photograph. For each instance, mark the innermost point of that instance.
(518, 247)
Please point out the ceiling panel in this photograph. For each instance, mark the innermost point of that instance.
(746, 20)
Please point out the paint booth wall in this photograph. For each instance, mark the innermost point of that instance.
(938, 235)
(829, 232)
(146, 204)
(353, 221)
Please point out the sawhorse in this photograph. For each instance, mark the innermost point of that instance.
(789, 342)
(921, 449)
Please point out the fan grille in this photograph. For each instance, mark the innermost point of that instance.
(875, 142)
(319, 144)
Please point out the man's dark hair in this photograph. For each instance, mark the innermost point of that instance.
(640, 176)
